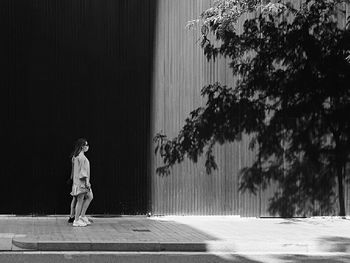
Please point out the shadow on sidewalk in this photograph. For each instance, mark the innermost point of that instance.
(313, 259)
(275, 258)
(335, 244)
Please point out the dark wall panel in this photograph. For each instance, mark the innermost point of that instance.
(75, 69)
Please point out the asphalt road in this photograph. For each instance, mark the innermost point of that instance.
(160, 257)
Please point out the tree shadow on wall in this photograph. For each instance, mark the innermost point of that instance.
(306, 188)
(284, 99)
(303, 199)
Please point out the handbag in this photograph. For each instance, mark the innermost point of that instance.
(84, 189)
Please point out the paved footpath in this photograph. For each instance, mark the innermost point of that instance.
(225, 238)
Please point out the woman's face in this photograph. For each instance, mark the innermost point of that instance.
(86, 147)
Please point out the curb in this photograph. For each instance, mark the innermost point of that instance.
(50, 245)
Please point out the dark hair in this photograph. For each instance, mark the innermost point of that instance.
(79, 144)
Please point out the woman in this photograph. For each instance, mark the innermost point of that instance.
(81, 188)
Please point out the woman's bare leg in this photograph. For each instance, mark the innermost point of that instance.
(80, 199)
(88, 198)
(72, 207)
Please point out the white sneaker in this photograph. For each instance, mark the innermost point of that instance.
(85, 220)
(79, 223)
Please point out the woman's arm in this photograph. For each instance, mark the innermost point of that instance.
(72, 171)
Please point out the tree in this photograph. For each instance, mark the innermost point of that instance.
(292, 97)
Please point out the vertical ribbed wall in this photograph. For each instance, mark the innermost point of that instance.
(180, 71)
(342, 18)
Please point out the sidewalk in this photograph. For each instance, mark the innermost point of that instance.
(184, 234)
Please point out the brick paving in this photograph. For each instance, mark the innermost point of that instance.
(205, 234)
(44, 233)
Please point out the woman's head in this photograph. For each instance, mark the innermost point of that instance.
(80, 145)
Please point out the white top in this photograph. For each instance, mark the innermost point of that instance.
(80, 172)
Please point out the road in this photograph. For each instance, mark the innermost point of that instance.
(168, 257)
